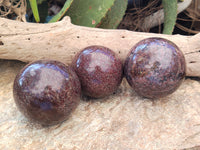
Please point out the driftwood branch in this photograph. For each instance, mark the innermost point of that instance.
(62, 40)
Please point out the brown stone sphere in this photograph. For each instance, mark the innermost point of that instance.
(99, 69)
(47, 91)
(155, 67)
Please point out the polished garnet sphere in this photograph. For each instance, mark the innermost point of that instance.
(46, 91)
(155, 67)
(99, 69)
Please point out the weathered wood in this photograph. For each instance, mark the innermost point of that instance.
(62, 40)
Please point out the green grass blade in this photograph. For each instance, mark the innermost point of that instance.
(170, 12)
(34, 8)
(62, 11)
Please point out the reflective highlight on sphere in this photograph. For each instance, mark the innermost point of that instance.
(46, 91)
(155, 67)
(99, 70)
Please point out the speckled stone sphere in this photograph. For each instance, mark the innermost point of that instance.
(47, 91)
(155, 67)
(100, 71)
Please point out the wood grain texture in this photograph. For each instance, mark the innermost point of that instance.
(62, 40)
(121, 121)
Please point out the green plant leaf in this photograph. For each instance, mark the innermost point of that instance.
(38, 2)
(89, 12)
(170, 13)
(114, 15)
(62, 11)
(33, 4)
